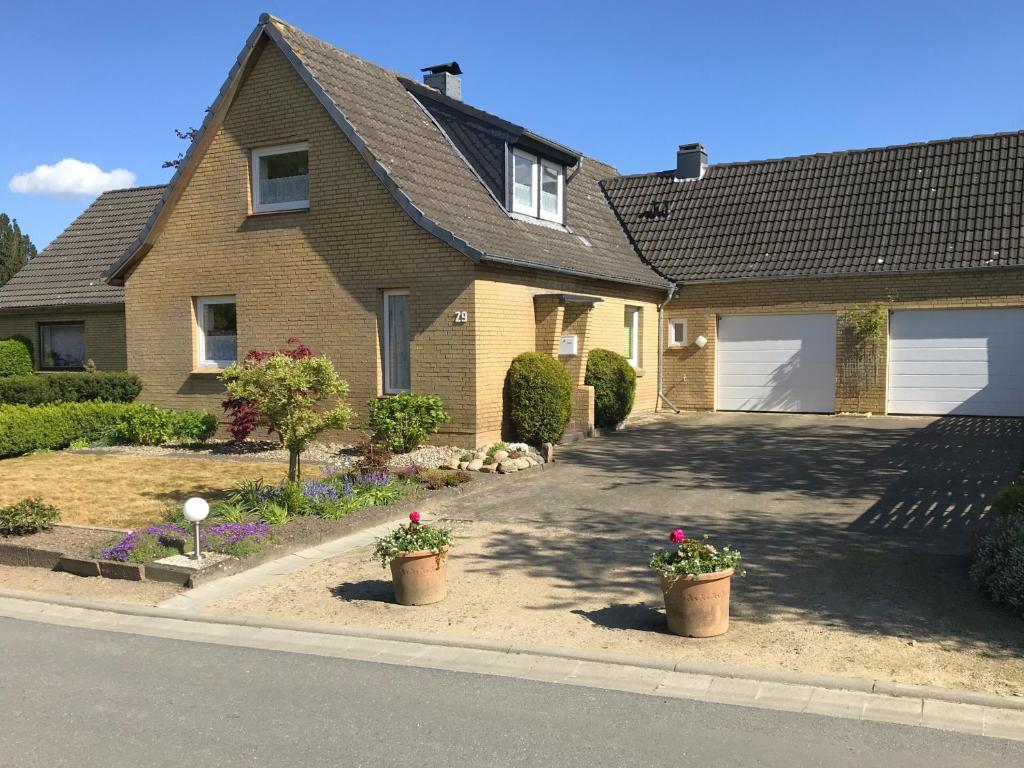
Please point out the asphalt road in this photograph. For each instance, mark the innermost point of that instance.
(78, 697)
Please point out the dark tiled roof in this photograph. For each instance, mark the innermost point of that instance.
(427, 169)
(69, 270)
(952, 204)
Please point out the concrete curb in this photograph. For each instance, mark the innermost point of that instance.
(831, 682)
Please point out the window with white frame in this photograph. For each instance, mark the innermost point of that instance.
(677, 330)
(631, 330)
(396, 340)
(61, 345)
(217, 328)
(538, 187)
(280, 178)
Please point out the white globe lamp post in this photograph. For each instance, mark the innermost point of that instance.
(195, 511)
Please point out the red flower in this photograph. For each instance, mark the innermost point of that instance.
(677, 536)
(414, 516)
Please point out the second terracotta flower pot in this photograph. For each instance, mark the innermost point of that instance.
(421, 577)
(698, 605)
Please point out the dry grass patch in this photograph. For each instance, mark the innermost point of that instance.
(122, 491)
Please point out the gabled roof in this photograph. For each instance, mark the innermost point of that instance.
(951, 204)
(424, 171)
(69, 271)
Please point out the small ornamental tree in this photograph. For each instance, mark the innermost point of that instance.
(284, 388)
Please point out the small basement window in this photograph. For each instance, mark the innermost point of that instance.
(538, 187)
(677, 330)
(218, 331)
(280, 178)
(61, 345)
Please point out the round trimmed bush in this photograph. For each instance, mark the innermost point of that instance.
(614, 383)
(15, 358)
(998, 567)
(539, 398)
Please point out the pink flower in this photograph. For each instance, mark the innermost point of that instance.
(414, 516)
(677, 536)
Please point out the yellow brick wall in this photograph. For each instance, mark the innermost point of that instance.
(860, 367)
(316, 275)
(505, 326)
(104, 331)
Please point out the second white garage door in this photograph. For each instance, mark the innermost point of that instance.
(961, 361)
(777, 363)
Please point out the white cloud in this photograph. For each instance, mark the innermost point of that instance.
(70, 178)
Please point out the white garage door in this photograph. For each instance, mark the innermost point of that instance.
(777, 363)
(961, 361)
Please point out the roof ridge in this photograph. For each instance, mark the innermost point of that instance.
(134, 189)
(864, 150)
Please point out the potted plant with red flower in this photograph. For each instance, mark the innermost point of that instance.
(696, 579)
(418, 555)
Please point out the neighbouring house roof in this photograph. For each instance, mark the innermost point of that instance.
(951, 204)
(69, 271)
(406, 148)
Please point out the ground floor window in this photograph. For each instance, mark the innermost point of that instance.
(61, 345)
(631, 329)
(218, 331)
(396, 342)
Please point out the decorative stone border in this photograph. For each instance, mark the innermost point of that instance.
(503, 462)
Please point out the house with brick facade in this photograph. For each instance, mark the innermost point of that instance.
(59, 300)
(423, 243)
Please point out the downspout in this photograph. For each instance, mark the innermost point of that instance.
(661, 347)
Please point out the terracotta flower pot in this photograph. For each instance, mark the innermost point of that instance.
(698, 606)
(420, 577)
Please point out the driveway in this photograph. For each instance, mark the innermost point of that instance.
(854, 531)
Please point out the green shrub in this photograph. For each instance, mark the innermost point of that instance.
(27, 516)
(193, 427)
(401, 422)
(998, 567)
(25, 428)
(145, 425)
(26, 342)
(614, 383)
(1009, 502)
(539, 396)
(15, 358)
(69, 387)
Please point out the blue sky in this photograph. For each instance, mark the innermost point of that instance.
(107, 82)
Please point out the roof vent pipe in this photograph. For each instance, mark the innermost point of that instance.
(691, 162)
(446, 78)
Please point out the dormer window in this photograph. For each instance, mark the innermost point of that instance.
(538, 187)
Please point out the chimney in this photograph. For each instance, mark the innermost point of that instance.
(446, 78)
(691, 162)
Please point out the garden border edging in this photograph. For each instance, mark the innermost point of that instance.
(835, 682)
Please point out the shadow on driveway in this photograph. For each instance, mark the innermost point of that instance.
(859, 523)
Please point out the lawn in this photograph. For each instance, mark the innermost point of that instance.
(122, 491)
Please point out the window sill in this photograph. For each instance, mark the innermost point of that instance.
(285, 211)
(208, 371)
(639, 372)
(677, 346)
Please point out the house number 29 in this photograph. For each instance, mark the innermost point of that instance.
(462, 317)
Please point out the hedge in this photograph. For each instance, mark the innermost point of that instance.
(25, 428)
(69, 387)
(24, 340)
(15, 358)
(539, 394)
(614, 383)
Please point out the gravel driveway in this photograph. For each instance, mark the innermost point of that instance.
(855, 533)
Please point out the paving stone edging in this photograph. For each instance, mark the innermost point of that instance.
(786, 677)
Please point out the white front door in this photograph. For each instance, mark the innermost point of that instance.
(957, 361)
(777, 363)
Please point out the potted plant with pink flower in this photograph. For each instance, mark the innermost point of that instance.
(696, 579)
(418, 555)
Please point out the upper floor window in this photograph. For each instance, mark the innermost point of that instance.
(218, 331)
(537, 186)
(280, 178)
